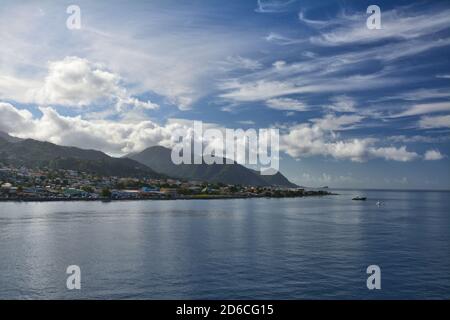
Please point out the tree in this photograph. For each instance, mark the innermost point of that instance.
(87, 189)
(120, 185)
(106, 193)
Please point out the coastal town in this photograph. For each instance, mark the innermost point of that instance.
(44, 184)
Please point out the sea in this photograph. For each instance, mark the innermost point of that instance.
(316, 247)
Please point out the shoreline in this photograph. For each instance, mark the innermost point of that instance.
(209, 197)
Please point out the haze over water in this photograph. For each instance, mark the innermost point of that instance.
(302, 248)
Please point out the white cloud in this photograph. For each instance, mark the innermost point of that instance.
(130, 101)
(118, 138)
(74, 81)
(399, 23)
(343, 103)
(115, 138)
(306, 141)
(433, 155)
(238, 62)
(323, 73)
(319, 139)
(392, 153)
(247, 122)
(15, 88)
(175, 56)
(418, 94)
(170, 54)
(331, 122)
(286, 104)
(316, 23)
(418, 139)
(320, 75)
(424, 108)
(12, 119)
(355, 150)
(434, 122)
(279, 65)
(257, 91)
(179, 62)
(272, 6)
(309, 54)
(264, 89)
(281, 39)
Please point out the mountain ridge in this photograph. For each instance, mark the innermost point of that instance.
(8, 138)
(153, 162)
(159, 159)
(33, 153)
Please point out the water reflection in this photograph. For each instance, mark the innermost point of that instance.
(254, 248)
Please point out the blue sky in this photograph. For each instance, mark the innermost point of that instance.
(355, 107)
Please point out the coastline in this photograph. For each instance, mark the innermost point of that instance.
(202, 197)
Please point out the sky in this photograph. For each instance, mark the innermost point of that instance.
(356, 107)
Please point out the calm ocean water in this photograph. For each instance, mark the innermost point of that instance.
(305, 248)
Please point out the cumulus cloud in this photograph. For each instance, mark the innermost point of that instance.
(115, 138)
(134, 102)
(77, 82)
(392, 153)
(433, 155)
(12, 119)
(118, 138)
(320, 139)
